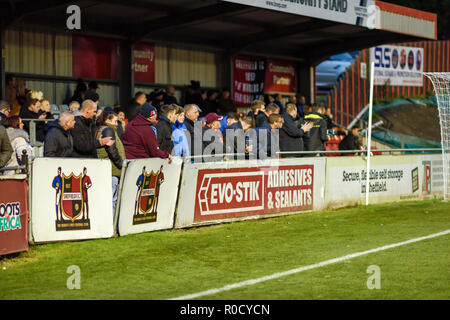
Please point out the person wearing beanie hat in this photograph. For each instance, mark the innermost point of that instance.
(140, 137)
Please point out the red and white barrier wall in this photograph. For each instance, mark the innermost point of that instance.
(71, 199)
(226, 191)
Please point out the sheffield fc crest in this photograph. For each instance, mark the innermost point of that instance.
(71, 202)
(148, 186)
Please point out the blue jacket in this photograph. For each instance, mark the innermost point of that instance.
(180, 142)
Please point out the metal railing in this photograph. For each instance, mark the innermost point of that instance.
(23, 168)
(32, 132)
(363, 151)
(359, 152)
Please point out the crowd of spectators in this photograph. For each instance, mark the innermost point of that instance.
(156, 125)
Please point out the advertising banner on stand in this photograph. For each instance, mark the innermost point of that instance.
(149, 195)
(144, 62)
(398, 66)
(280, 76)
(71, 199)
(391, 178)
(248, 79)
(13, 215)
(237, 190)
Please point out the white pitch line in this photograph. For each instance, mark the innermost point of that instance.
(301, 269)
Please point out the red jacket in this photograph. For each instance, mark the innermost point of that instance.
(139, 140)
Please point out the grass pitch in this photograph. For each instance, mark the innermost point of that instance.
(168, 264)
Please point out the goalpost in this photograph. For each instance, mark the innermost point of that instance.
(441, 84)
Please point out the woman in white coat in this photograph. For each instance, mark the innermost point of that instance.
(19, 141)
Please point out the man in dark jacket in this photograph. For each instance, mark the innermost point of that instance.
(133, 110)
(268, 147)
(192, 112)
(351, 141)
(6, 149)
(263, 116)
(238, 138)
(318, 134)
(139, 139)
(84, 143)
(58, 140)
(291, 136)
(164, 127)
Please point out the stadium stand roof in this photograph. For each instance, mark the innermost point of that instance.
(302, 30)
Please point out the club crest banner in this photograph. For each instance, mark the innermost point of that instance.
(149, 195)
(71, 199)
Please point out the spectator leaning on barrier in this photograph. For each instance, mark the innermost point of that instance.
(213, 142)
(271, 128)
(85, 144)
(180, 142)
(164, 129)
(115, 153)
(19, 140)
(58, 140)
(291, 136)
(139, 139)
(6, 149)
(351, 141)
(315, 141)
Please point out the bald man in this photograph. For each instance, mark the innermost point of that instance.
(58, 140)
(84, 143)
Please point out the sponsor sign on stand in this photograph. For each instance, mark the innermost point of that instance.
(149, 195)
(391, 178)
(71, 199)
(235, 190)
(248, 79)
(144, 62)
(398, 65)
(280, 76)
(13, 216)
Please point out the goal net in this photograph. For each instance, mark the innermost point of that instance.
(441, 84)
